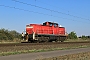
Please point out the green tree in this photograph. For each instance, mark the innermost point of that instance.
(15, 34)
(9, 35)
(72, 35)
(5, 35)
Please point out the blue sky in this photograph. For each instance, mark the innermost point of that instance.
(74, 15)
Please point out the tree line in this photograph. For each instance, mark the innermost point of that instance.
(5, 34)
(73, 35)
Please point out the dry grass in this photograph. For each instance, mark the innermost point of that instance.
(76, 40)
(10, 41)
(78, 56)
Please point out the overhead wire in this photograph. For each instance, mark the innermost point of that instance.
(62, 9)
(49, 9)
(51, 5)
(33, 11)
(38, 12)
(22, 9)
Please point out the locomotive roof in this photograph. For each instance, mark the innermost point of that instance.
(52, 23)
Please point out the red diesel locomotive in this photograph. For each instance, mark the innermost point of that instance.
(46, 32)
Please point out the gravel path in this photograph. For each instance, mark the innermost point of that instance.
(33, 56)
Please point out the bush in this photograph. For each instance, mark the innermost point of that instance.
(84, 37)
(72, 35)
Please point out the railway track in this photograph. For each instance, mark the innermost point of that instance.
(30, 44)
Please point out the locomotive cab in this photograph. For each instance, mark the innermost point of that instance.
(50, 24)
